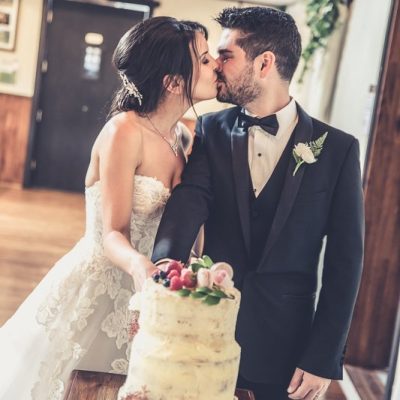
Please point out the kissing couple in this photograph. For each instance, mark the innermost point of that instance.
(266, 181)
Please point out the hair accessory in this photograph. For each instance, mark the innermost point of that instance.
(131, 87)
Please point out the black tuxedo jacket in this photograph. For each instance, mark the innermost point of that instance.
(279, 325)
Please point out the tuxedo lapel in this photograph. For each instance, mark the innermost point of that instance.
(240, 167)
(302, 134)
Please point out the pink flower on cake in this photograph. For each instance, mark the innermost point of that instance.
(221, 278)
(223, 266)
(201, 279)
(223, 274)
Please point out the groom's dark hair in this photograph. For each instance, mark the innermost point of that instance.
(265, 29)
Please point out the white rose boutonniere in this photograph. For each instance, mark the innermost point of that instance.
(308, 152)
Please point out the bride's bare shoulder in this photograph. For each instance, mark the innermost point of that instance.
(122, 130)
(123, 125)
(120, 139)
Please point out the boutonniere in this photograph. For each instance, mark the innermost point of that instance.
(308, 152)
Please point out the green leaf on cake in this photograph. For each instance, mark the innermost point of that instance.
(184, 292)
(196, 266)
(208, 262)
(211, 300)
(204, 289)
(198, 295)
(218, 293)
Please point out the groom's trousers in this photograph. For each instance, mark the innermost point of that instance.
(264, 391)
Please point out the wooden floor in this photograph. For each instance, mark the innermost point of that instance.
(37, 227)
(368, 383)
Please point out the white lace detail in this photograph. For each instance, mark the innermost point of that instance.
(84, 310)
(115, 325)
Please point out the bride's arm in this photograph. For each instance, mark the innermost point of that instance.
(120, 154)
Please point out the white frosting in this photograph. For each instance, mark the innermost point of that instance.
(184, 350)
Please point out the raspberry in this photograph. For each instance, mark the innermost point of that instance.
(188, 278)
(173, 273)
(173, 264)
(176, 283)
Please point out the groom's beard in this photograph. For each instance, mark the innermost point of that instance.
(239, 92)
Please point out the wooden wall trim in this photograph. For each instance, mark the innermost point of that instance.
(15, 113)
(373, 324)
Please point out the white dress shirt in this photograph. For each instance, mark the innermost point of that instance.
(265, 150)
(264, 153)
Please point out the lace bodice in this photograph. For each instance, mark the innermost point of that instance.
(149, 199)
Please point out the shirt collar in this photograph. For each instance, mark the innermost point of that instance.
(286, 116)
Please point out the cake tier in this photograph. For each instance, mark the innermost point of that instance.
(184, 350)
(185, 371)
(165, 312)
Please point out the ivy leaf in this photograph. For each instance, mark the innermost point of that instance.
(184, 292)
(322, 19)
(211, 300)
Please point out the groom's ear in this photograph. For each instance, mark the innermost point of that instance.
(264, 63)
(173, 84)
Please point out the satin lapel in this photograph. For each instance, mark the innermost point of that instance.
(302, 134)
(240, 167)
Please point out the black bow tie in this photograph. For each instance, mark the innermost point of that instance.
(269, 124)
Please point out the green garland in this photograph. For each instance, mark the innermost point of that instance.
(322, 18)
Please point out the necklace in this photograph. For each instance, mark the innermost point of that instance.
(174, 146)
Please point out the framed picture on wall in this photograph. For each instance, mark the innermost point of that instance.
(8, 23)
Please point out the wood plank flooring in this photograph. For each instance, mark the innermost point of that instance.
(37, 227)
(369, 386)
(101, 386)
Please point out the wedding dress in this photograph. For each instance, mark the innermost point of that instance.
(77, 317)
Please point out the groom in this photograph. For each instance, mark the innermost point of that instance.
(266, 211)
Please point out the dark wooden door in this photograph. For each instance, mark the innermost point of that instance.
(77, 85)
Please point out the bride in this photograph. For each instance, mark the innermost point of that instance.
(77, 317)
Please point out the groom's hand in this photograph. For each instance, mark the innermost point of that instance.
(307, 386)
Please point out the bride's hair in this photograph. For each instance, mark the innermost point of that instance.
(151, 50)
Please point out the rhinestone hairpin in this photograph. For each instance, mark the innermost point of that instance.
(131, 87)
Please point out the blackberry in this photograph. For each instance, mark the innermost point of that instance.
(166, 282)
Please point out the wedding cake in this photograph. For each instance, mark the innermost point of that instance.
(185, 347)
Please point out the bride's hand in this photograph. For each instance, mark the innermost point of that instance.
(142, 268)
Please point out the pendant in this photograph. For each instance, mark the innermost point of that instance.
(174, 148)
